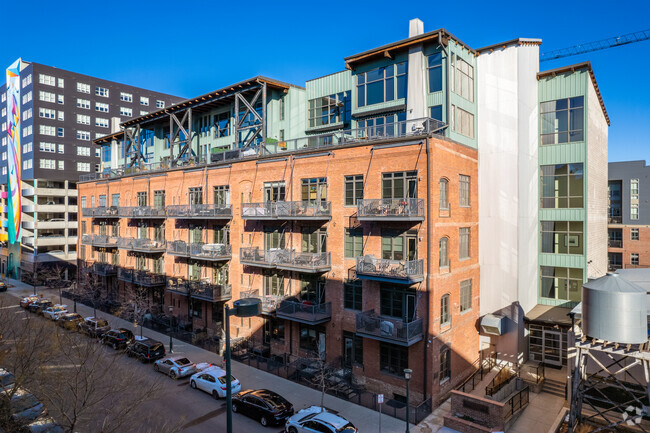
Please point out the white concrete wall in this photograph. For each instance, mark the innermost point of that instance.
(597, 176)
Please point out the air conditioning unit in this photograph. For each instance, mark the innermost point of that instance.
(492, 324)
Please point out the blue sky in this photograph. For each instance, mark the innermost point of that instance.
(192, 47)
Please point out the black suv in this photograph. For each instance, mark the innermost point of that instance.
(146, 350)
(118, 338)
(94, 326)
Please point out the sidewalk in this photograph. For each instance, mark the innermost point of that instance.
(365, 419)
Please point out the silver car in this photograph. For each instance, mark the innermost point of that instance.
(175, 366)
(318, 419)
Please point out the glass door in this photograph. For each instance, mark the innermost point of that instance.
(553, 348)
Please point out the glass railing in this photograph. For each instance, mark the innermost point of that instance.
(200, 211)
(389, 329)
(391, 208)
(408, 270)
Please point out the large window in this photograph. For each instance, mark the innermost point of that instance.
(352, 349)
(399, 245)
(464, 190)
(273, 238)
(222, 125)
(465, 295)
(562, 237)
(382, 84)
(353, 295)
(353, 243)
(462, 78)
(314, 190)
(329, 110)
(142, 198)
(310, 338)
(397, 302)
(159, 199)
(562, 120)
(445, 363)
(221, 195)
(353, 189)
(445, 317)
(462, 122)
(444, 193)
(562, 186)
(393, 359)
(434, 68)
(464, 243)
(313, 240)
(273, 284)
(563, 284)
(443, 253)
(634, 189)
(399, 185)
(274, 191)
(196, 195)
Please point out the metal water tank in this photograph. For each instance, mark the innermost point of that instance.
(614, 309)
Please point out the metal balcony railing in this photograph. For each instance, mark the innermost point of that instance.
(87, 240)
(204, 290)
(100, 212)
(615, 219)
(399, 271)
(104, 269)
(199, 251)
(99, 240)
(615, 243)
(305, 312)
(202, 211)
(391, 209)
(178, 285)
(141, 245)
(270, 303)
(288, 210)
(370, 325)
(286, 259)
(142, 212)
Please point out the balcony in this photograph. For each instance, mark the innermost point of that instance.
(141, 278)
(310, 314)
(142, 212)
(210, 252)
(104, 241)
(390, 271)
(286, 259)
(200, 211)
(104, 269)
(615, 219)
(390, 209)
(202, 290)
(141, 245)
(615, 243)
(287, 210)
(390, 330)
(100, 212)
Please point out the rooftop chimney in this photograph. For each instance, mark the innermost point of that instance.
(416, 27)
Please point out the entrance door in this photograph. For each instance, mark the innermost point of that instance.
(553, 348)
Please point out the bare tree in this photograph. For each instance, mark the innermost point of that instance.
(54, 277)
(90, 288)
(136, 306)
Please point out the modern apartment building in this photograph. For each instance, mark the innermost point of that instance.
(628, 226)
(60, 113)
(351, 207)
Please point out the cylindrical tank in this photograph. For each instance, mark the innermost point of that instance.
(614, 309)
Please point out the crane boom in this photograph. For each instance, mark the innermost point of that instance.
(603, 44)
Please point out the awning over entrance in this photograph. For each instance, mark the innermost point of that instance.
(549, 315)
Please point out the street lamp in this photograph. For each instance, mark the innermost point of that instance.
(247, 307)
(171, 343)
(407, 376)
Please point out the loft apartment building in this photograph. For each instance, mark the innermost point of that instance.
(628, 216)
(351, 207)
(60, 113)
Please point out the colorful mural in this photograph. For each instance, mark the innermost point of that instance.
(13, 134)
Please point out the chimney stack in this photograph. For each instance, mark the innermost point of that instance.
(416, 27)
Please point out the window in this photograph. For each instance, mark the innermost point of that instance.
(634, 211)
(221, 195)
(634, 234)
(399, 185)
(462, 122)
(463, 190)
(101, 91)
(444, 310)
(4, 156)
(115, 200)
(61, 115)
(562, 120)
(399, 245)
(27, 130)
(465, 295)
(443, 252)
(60, 132)
(353, 189)
(144, 100)
(142, 113)
(634, 189)
(27, 164)
(314, 190)
(46, 130)
(160, 104)
(27, 97)
(282, 108)
(83, 103)
(159, 199)
(562, 186)
(463, 243)
(126, 97)
(393, 359)
(352, 349)
(47, 147)
(27, 147)
(463, 77)
(309, 338)
(397, 302)
(83, 135)
(61, 148)
(352, 295)
(313, 240)
(60, 99)
(61, 165)
(26, 82)
(60, 83)
(445, 363)
(274, 191)
(83, 151)
(353, 243)
(83, 166)
(562, 237)
(83, 119)
(329, 110)
(47, 163)
(101, 107)
(46, 113)
(124, 111)
(634, 259)
(47, 96)
(83, 88)
(561, 283)
(382, 84)
(434, 68)
(48, 80)
(196, 195)
(222, 124)
(142, 198)
(444, 193)
(102, 123)
(383, 125)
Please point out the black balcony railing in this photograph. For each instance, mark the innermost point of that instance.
(104, 269)
(141, 245)
(287, 210)
(203, 290)
(615, 243)
(200, 211)
(142, 212)
(371, 325)
(286, 259)
(139, 277)
(270, 303)
(391, 209)
(99, 240)
(398, 271)
(305, 312)
(615, 219)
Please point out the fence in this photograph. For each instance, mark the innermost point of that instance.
(516, 402)
(477, 377)
(503, 377)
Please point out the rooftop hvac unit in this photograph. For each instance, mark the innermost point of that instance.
(492, 324)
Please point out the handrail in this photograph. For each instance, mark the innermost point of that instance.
(516, 402)
(504, 375)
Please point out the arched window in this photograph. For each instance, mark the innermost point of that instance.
(444, 310)
(444, 253)
(445, 363)
(444, 193)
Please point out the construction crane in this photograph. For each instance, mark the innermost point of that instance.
(603, 44)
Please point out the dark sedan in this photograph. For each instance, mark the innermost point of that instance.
(118, 338)
(263, 405)
(40, 305)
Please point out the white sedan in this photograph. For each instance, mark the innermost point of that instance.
(213, 381)
(55, 311)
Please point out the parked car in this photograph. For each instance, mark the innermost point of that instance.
(55, 312)
(94, 326)
(175, 366)
(118, 338)
(70, 321)
(23, 405)
(26, 301)
(268, 407)
(318, 419)
(39, 305)
(7, 379)
(3, 286)
(44, 425)
(146, 350)
(213, 381)
(56, 220)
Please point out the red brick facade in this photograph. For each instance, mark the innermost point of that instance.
(626, 246)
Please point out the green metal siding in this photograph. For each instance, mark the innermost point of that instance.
(330, 84)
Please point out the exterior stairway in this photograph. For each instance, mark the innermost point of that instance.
(555, 387)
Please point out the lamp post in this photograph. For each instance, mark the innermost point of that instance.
(407, 376)
(171, 342)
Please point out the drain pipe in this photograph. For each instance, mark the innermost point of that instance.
(428, 284)
(447, 113)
